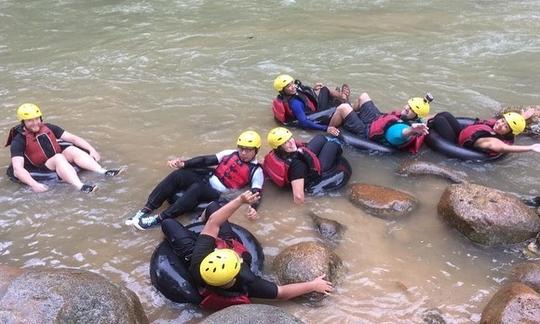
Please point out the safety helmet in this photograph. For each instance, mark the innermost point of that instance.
(278, 136)
(282, 81)
(249, 139)
(28, 111)
(420, 106)
(515, 121)
(220, 267)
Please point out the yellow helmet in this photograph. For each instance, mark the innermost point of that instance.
(220, 267)
(278, 136)
(282, 81)
(249, 139)
(516, 122)
(420, 106)
(28, 111)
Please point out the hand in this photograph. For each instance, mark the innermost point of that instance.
(535, 147)
(322, 286)
(318, 86)
(528, 113)
(419, 129)
(249, 198)
(332, 130)
(94, 154)
(39, 187)
(251, 213)
(177, 163)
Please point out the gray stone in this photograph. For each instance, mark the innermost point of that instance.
(513, 303)
(381, 201)
(488, 216)
(251, 314)
(66, 296)
(330, 230)
(527, 273)
(416, 168)
(306, 261)
(433, 316)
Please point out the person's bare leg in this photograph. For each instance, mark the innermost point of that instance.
(64, 169)
(339, 115)
(82, 159)
(362, 99)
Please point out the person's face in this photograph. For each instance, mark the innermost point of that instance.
(290, 89)
(501, 127)
(289, 146)
(32, 124)
(407, 113)
(246, 153)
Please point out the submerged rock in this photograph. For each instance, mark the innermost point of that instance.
(66, 296)
(381, 201)
(415, 168)
(527, 273)
(306, 261)
(533, 123)
(433, 316)
(251, 314)
(488, 216)
(513, 303)
(329, 229)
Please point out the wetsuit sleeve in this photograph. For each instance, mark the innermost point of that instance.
(297, 108)
(297, 170)
(204, 245)
(256, 286)
(201, 161)
(57, 131)
(17, 146)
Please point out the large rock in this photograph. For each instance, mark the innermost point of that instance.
(304, 262)
(488, 216)
(417, 168)
(527, 273)
(251, 314)
(513, 303)
(330, 230)
(66, 296)
(533, 123)
(382, 202)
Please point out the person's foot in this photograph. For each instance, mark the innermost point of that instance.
(140, 213)
(113, 172)
(345, 92)
(88, 188)
(146, 222)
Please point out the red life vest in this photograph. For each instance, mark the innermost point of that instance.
(37, 144)
(233, 172)
(483, 128)
(283, 112)
(277, 168)
(379, 126)
(216, 299)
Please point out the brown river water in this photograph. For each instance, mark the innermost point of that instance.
(144, 81)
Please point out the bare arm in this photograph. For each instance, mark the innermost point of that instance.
(298, 190)
(219, 217)
(24, 176)
(496, 145)
(82, 143)
(298, 289)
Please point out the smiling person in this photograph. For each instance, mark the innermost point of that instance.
(35, 147)
(492, 136)
(235, 169)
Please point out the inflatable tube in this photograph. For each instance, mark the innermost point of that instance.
(171, 276)
(450, 149)
(333, 179)
(346, 137)
(43, 174)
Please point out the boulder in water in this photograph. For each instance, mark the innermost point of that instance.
(381, 201)
(251, 314)
(416, 168)
(513, 303)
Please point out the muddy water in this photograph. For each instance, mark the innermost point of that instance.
(146, 80)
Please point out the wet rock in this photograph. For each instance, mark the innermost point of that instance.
(533, 123)
(330, 230)
(433, 316)
(382, 202)
(513, 303)
(251, 314)
(66, 296)
(488, 216)
(527, 273)
(415, 168)
(304, 262)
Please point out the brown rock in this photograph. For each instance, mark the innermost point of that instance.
(329, 229)
(251, 314)
(513, 303)
(488, 216)
(527, 273)
(416, 168)
(382, 202)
